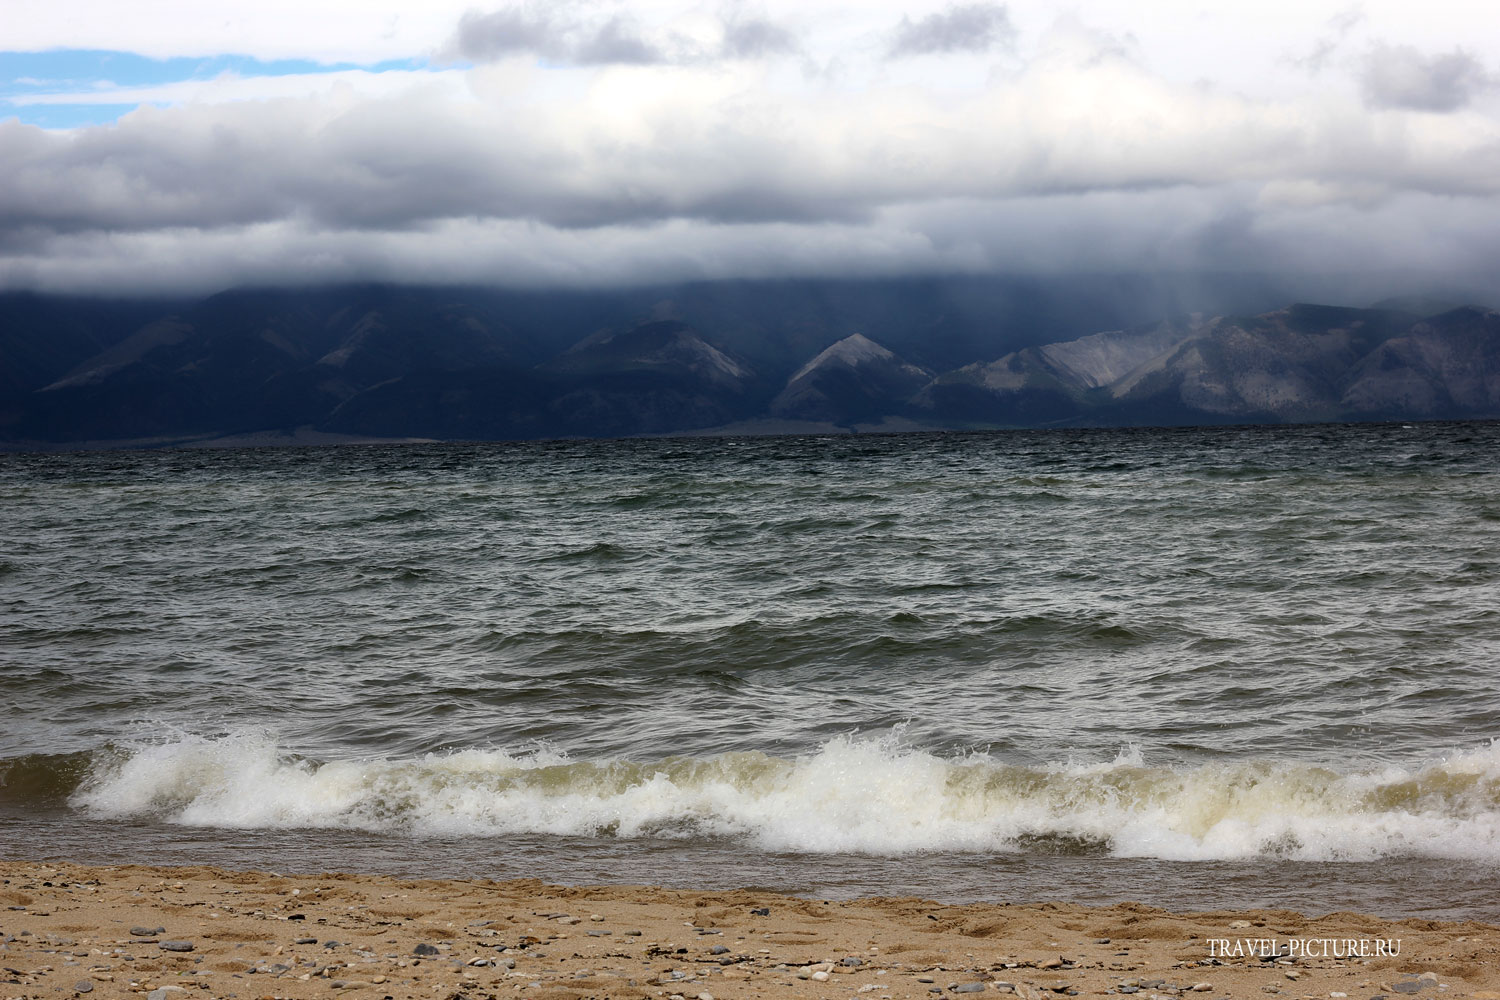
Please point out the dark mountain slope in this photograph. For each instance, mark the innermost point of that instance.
(656, 378)
(855, 380)
(1446, 366)
(480, 363)
(1290, 364)
(1283, 366)
(254, 360)
(43, 337)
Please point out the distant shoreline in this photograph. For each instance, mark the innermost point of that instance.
(305, 437)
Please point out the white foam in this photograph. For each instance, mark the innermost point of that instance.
(852, 795)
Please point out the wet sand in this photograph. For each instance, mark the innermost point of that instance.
(205, 932)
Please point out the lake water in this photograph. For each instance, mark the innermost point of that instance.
(1201, 668)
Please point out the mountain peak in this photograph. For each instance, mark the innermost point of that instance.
(854, 376)
(855, 349)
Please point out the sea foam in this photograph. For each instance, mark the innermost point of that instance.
(851, 795)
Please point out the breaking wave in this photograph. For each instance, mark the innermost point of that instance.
(851, 795)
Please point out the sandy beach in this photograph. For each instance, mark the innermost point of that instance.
(180, 932)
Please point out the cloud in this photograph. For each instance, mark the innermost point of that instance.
(566, 35)
(1180, 231)
(548, 30)
(1399, 76)
(644, 145)
(1336, 32)
(501, 33)
(974, 27)
(681, 148)
(756, 38)
(617, 40)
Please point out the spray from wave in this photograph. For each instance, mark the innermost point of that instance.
(851, 795)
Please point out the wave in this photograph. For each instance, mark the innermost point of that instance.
(858, 795)
(43, 779)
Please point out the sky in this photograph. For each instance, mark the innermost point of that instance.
(195, 146)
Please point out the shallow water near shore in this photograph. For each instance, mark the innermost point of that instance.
(1199, 668)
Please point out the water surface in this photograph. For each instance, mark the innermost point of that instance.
(1207, 667)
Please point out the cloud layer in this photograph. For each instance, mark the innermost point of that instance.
(591, 143)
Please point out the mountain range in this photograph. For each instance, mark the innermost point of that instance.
(385, 362)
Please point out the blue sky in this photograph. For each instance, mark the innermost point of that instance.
(74, 74)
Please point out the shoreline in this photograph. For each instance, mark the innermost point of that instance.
(71, 929)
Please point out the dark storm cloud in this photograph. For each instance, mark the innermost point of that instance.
(552, 33)
(1399, 76)
(1181, 231)
(975, 27)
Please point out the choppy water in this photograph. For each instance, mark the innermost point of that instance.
(1197, 667)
